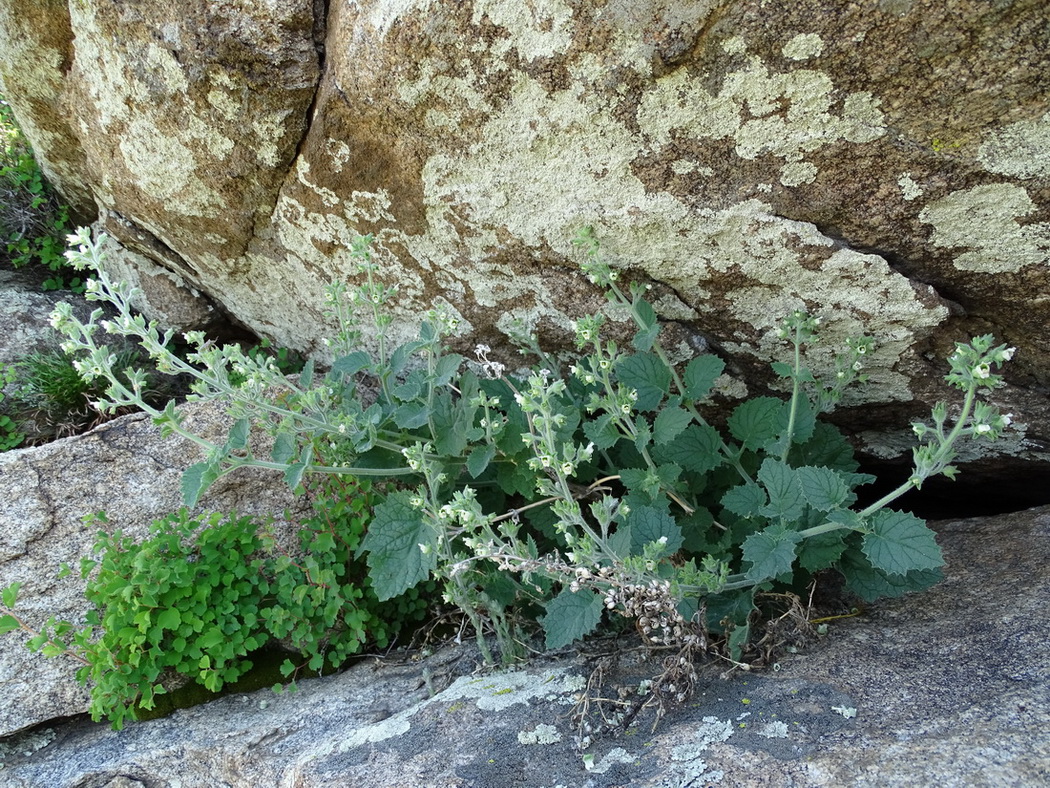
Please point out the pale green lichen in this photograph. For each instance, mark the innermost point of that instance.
(798, 173)
(1019, 150)
(541, 734)
(984, 220)
(910, 190)
(804, 46)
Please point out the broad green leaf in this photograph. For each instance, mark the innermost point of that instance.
(620, 541)
(169, 618)
(669, 424)
(395, 543)
(700, 376)
(754, 422)
(571, 615)
(634, 478)
(195, 481)
(283, 446)
(8, 623)
(650, 328)
(411, 415)
(648, 525)
(450, 424)
(351, 364)
(802, 431)
(238, 437)
(729, 609)
(10, 595)
(643, 435)
(827, 448)
(602, 432)
(870, 584)
(402, 353)
(745, 500)
(696, 449)
(770, 552)
(785, 495)
(293, 474)
(479, 459)
(824, 488)
(646, 374)
(782, 370)
(900, 542)
(643, 340)
(210, 639)
(446, 368)
(412, 387)
(821, 551)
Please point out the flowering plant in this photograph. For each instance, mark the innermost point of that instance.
(567, 495)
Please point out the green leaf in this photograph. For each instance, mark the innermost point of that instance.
(745, 500)
(646, 374)
(700, 376)
(649, 525)
(210, 639)
(771, 552)
(306, 374)
(195, 481)
(479, 459)
(283, 446)
(572, 615)
(293, 475)
(785, 495)
(870, 584)
(649, 327)
(393, 546)
(754, 422)
(411, 415)
(644, 339)
(821, 551)
(451, 422)
(824, 488)
(900, 542)
(827, 448)
(169, 618)
(8, 623)
(669, 424)
(238, 437)
(602, 432)
(9, 595)
(446, 368)
(697, 448)
(351, 363)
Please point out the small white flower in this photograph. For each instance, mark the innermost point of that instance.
(982, 429)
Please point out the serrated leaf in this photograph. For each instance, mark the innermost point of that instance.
(780, 369)
(402, 353)
(283, 446)
(824, 488)
(821, 551)
(479, 460)
(754, 422)
(696, 449)
(785, 495)
(669, 424)
(648, 525)
(392, 544)
(646, 374)
(351, 364)
(745, 500)
(870, 584)
(412, 386)
(8, 623)
(451, 422)
(293, 474)
(571, 615)
(644, 339)
(10, 595)
(771, 552)
(827, 448)
(602, 432)
(700, 376)
(900, 542)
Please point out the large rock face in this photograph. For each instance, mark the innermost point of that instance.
(884, 165)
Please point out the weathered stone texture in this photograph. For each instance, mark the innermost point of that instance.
(884, 165)
(945, 688)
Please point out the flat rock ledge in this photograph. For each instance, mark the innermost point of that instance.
(947, 688)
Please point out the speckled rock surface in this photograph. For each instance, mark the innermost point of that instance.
(949, 688)
(126, 469)
(886, 165)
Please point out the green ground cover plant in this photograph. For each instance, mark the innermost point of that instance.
(202, 594)
(33, 221)
(568, 494)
